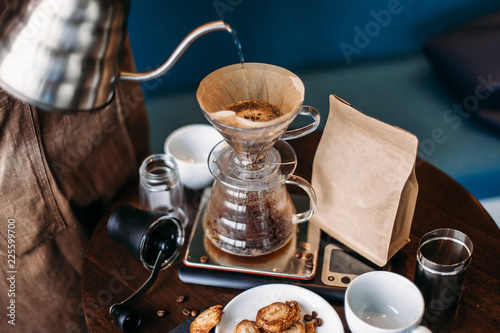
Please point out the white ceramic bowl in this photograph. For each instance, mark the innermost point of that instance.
(190, 146)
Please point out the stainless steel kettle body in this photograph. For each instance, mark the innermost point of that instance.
(63, 54)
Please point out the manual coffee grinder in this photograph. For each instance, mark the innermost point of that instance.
(249, 211)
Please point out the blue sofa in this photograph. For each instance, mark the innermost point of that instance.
(368, 53)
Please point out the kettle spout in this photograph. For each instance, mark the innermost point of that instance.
(178, 52)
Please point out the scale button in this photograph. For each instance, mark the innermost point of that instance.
(331, 278)
(345, 280)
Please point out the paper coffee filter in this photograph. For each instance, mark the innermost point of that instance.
(255, 81)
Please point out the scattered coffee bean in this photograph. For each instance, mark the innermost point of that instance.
(186, 312)
(194, 313)
(309, 256)
(203, 259)
(160, 313)
(307, 317)
(180, 299)
(298, 255)
(314, 315)
(318, 322)
(309, 264)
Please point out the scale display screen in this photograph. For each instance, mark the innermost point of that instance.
(342, 261)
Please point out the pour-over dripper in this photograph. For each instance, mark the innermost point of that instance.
(254, 81)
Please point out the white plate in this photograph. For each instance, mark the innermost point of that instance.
(246, 305)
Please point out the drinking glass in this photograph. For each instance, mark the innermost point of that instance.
(443, 256)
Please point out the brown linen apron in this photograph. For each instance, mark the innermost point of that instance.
(58, 172)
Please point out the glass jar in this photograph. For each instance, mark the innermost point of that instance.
(161, 189)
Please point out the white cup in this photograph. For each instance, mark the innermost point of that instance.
(383, 302)
(190, 146)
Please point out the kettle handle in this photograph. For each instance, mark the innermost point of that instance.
(303, 184)
(178, 52)
(299, 132)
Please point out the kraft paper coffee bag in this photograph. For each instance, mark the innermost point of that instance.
(364, 177)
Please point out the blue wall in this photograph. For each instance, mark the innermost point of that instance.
(291, 34)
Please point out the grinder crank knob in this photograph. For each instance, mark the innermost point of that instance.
(127, 318)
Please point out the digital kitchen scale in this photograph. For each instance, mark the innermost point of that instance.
(310, 259)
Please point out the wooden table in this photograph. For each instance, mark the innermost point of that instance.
(111, 274)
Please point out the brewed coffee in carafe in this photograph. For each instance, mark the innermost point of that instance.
(250, 211)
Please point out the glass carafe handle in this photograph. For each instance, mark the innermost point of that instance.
(303, 184)
(298, 132)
